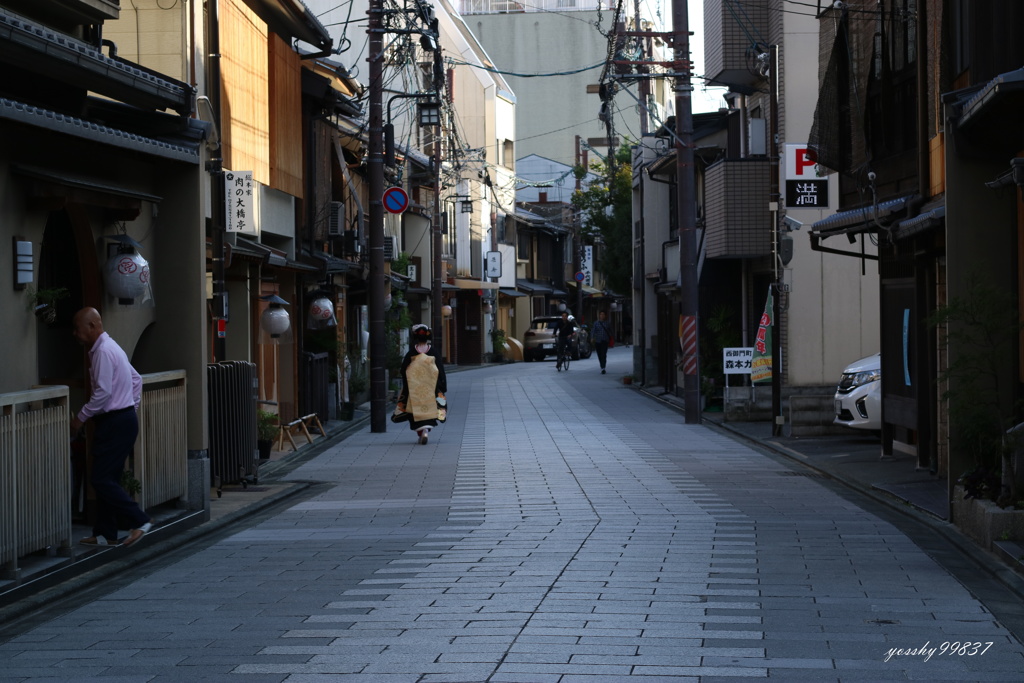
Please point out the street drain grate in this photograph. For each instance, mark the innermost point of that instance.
(809, 475)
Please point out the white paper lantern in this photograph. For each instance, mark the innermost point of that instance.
(321, 309)
(275, 321)
(321, 314)
(127, 276)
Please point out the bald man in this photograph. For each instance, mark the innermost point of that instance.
(116, 392)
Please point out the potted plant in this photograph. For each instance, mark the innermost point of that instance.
(984, 418)
(130, 484)
(43, 302)
(267, 430)
(499, 340)
(627, 379)
(357, 379)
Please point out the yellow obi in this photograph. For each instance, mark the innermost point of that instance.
(421, 376)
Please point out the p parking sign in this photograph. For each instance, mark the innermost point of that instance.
(805, 189)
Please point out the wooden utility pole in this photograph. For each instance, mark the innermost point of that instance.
(686, 207)
(577, 246)
(375, 163)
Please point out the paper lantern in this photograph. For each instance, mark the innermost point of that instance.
(127, 276)
(275, 321)
(321, 309)
(321, 314)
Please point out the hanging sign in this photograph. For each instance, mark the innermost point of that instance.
(493, 262)
(238, 202)
(805, 189)
(587, 265)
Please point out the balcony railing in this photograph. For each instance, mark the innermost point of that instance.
(35, 462)
(737, 219)
(732, 41)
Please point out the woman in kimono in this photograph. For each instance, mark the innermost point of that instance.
(422, 402)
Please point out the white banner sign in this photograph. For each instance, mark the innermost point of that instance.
(493, 264)
(238, 187)
(736, 360)
(587, 265)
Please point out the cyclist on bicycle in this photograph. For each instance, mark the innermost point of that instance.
(563, 335)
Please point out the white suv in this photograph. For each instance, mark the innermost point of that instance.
(859, 395)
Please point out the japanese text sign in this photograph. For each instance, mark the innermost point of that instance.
(238, 202)
(736, 360)
(804, 187)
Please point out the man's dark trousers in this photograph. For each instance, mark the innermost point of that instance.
(113, 439)
(602, 352)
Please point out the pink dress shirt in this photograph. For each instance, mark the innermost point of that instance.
(115, 383)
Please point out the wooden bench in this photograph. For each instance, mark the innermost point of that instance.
(298, 427)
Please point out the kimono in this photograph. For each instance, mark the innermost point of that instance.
(422, 402)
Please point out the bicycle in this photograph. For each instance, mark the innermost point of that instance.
(564, 356)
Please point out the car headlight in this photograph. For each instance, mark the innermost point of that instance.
(857, 379)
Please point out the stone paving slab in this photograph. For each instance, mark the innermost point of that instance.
(559, 527)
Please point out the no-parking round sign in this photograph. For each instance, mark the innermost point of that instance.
(395, 199)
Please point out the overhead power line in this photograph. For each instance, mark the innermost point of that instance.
(522, 75)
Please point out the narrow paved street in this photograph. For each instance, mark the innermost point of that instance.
(560, 527)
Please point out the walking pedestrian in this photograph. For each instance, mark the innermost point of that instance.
(422, 401)
(116, 390)
(602, 336)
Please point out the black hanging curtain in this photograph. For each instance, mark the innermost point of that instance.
(837, 137)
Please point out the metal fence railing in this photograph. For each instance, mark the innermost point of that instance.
(35, 484)
(35, 462)
(232, 391)
(161, 451)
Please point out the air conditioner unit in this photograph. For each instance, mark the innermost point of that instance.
(336, 220)
(390, 247)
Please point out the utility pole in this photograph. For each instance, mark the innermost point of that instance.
(436, 267)
(375, 162)
(778, 420)
(645, 83)
(686, 209)
(218, 207)
(577, 247)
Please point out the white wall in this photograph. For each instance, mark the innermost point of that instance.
(553, 109)
(558, 176)
(833, 313)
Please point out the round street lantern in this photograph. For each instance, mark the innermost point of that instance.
(126, 276)
(275, 322)
(321, 314)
